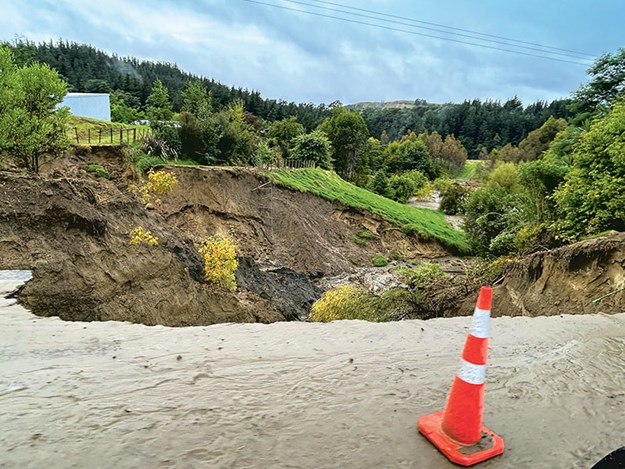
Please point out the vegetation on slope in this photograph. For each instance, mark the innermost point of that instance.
(429, 224)
(470, 170)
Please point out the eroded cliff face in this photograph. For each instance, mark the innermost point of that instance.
(585, 277)
(71, 229)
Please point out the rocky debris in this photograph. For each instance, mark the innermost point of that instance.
(376, 279)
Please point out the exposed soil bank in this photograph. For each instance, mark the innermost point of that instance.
(586, 277)
(71, 229)
(345, 394)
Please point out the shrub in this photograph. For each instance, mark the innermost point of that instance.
(220, 262)
(488, 211)
(380, 184)
(350, 302)
(379, 261)
(159, 183)
(139, 235)
(314, 146)
(402, 187)
(423, 275)
(417, 177)
(154, 145)
(442, 184)
(487, 272)
(503, 243)
(592, 199)
(425, 192)
(453, 198)
(99, 171)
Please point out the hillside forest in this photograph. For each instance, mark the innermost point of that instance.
(552, 172)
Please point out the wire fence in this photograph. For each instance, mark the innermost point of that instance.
(105, 136)
(289, 164)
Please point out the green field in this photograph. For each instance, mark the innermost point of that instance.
(86, 131)
(429, 224)
(470, 169)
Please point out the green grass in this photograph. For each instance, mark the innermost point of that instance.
(99, 170)
(86, 131)
(365, 234)
(379, 261)
(429, 224)
(470, 169)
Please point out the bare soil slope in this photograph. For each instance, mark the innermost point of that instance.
(585, 277)
(71, 229)
(278, 225)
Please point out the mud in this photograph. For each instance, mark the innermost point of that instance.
(71, 229)
(586, 277)
(279, 226)
(343, 394)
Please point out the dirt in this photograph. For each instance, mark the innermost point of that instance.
(585, 277)
(292, 394)
(71, 229)
(283, 227)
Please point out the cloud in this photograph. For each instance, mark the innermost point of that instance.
(304, 58)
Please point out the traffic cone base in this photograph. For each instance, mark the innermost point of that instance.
(490, 445)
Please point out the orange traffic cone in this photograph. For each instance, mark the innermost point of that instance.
(457, 431)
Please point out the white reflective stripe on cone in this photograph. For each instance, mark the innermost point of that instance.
(472, 374)
(480, 327)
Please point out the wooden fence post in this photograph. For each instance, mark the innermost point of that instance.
(111, 135)
(100, 136)
(89, 135)
(77, 139)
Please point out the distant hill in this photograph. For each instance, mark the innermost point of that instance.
(399, 104)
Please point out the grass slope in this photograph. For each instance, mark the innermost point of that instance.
(93, 131)
(470, 169)
(429, 224)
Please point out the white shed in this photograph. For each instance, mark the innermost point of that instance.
(94, 105)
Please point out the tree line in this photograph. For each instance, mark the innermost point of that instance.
(479, 126)
(87, 69)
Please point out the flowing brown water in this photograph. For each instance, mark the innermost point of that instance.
(345, 394)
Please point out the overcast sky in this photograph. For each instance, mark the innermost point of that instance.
(305, 58)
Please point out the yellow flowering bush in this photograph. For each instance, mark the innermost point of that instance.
(353, 302)
(344, 302)
(220, 261)
(159, 183)
(140, 236)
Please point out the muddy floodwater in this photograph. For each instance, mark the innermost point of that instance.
(296, 395)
